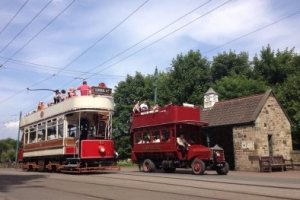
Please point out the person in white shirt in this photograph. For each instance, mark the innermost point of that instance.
(182, 144)
(144, 106)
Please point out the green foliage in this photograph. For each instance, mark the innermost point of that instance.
(275, 68)
(230, 63)
(7, 150)
(235, 86)
(288, 94)
(188, 78)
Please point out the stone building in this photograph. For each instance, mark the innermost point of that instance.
(247, 128)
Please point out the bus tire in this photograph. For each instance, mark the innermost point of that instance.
(223, 170)
(198, 166)
(148, 166)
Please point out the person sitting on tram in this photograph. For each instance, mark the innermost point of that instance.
(183, 145)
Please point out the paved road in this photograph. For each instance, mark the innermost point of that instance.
(130, 184)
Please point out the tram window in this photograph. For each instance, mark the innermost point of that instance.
(51, 130)
(32, 135)
(26, 136)
(72, 130)
(165, 135)
(41, 132)
(41, 135)
(138, 138)
(60, 128)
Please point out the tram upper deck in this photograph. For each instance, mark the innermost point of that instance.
(101, 103)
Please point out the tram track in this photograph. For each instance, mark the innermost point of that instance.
(213, 181)
(254, 195)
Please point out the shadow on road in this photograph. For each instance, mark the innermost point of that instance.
(8, 180)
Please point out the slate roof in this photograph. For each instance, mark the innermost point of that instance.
(243, 110)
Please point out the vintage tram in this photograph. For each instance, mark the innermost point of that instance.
(154, 141)
(74, 135)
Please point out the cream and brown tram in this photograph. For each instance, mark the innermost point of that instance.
(74, 135)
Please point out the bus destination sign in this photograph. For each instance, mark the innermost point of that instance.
(101, 91)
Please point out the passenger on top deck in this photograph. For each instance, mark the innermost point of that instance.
(84, 89)
(170, 103)
(40, 106)
(156, 107)
(63, 95)
(57, 97)
(144, 106)
(71, 92)
(136, 107)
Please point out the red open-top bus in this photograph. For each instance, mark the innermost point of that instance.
(154, 141)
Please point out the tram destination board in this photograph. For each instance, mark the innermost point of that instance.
(101, 91)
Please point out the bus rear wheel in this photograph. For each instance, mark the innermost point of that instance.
(148, 166)
(198, 166)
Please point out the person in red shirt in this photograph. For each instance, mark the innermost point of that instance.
(84, 89)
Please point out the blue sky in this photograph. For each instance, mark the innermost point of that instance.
(56, 44)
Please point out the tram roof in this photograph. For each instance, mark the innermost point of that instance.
(75, 104)
(168, 115)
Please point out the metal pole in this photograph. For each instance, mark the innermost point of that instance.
(17, 148)
(155, 85)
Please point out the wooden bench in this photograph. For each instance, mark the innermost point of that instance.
(268, 163)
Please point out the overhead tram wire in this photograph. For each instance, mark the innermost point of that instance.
(26, 25)
(89, 48)
(163, 37)
(252, 32)
(14, 17)
(28, 43)
(77, 56)
(92, 46)
(151, 35)
(39, 32)
(75, 72)
(129, 47)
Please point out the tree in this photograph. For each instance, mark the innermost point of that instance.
(7, 150)
(228, 63)
(188, 78)
(275, 68)
(235, 86)
(288, 94)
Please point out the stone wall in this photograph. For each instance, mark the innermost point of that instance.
(251, 141)
(295, 155)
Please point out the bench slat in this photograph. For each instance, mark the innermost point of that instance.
(267, 163)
